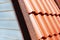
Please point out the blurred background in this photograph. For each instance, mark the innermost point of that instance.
(9, 28)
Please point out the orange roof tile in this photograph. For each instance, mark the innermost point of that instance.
(45, 26)
(42, 6)
(37, 28)
(58, 18)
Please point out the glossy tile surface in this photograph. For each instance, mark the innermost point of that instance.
(42, 6)
(45, 26)
(42, 14)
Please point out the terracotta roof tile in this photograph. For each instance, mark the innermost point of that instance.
(42, 6)
(29, 6)
(55, 6)
(46, 27)
(36, 26)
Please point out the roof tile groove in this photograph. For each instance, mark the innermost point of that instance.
(48, 26)
(42, 6)
(44, 18)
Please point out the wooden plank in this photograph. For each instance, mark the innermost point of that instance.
(24, 20)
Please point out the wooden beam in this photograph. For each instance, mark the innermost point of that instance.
(24, 20)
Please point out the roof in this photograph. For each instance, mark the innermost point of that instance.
(42, 6)
(42, 14)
